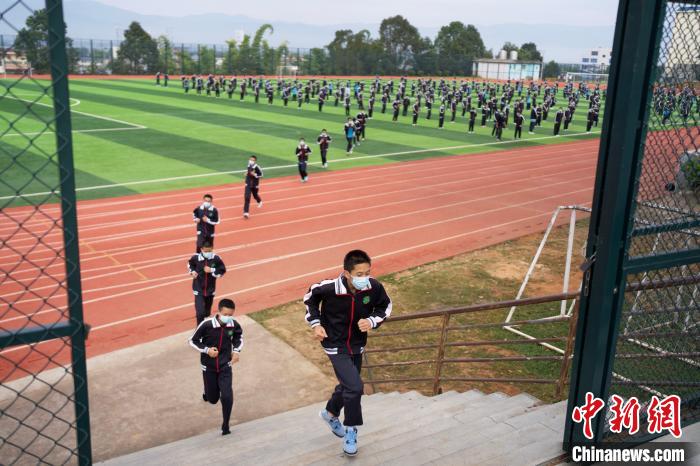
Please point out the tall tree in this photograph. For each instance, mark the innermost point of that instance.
(138, 53)
(551, 70)
(165, 55)
(399, 40)
(528, 51)
(230, 57)
(257, 47)
(246, 59)
(338, 56)
(32, 42)
(457, 46)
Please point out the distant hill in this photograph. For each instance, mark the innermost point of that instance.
(91, 19)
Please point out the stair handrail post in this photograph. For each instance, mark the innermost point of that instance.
(441, 354)
(566, 360)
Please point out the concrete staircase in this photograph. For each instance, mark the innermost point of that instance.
(400, 428)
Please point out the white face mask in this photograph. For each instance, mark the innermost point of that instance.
(251, 163)
(208, 255)
(206, 204)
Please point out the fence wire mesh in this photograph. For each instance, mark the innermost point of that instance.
(657, 348)
(43, 387)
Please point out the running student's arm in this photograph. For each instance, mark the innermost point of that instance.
(192, 265)
(195, 218)
(218, 268)
(312, 301)
(237, 337)
(382, 308)
(214, 220)
(195, 340)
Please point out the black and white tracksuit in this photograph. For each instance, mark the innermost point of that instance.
(205, 228)
(217, 374)
(331, 304)
(204, 285)
(252, 184)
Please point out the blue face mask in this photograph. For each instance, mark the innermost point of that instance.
(226, 319)
(360, 283)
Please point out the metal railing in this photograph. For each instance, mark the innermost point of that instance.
(436, 377)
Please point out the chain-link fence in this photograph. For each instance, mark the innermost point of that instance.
(657, 346)
(43, 385)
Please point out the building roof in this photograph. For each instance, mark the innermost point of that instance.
(496, 60)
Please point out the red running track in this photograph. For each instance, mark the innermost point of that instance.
(134, 249)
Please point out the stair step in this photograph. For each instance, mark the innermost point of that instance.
(385, 437)
(375, 421)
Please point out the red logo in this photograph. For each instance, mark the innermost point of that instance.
(586, 413)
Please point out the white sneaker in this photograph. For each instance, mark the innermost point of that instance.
(325, 165)
(260, 204)
(245, 215)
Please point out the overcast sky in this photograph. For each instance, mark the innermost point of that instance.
(426, 13)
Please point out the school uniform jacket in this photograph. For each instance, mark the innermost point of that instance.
(330, 304)
(212, 333)
(205, 283)
(204, 227)
(302, 153)
(253, 181)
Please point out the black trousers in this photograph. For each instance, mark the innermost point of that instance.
(518, 132)
(589, 124)
(302, 169)
(471, 126)
(324, 155)
(566, 124)
(219, 386)
(202, 307)
(248, 192)
(556, 128)
(483, 120)
(201, 239)
(349, 148)
(532, 125)
(415, 118)
(348, 393)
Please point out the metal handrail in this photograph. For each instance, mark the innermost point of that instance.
(445, 327)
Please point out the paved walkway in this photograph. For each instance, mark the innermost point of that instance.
(150, 394)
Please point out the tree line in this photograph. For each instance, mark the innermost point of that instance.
(398, 49)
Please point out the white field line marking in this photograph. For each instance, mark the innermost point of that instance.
(97, 254)
(332, 246)
(296, 277)
(481, 175)
(92, 115)
(177, 258)
(280, 167)
(87, 273)
(398, 166)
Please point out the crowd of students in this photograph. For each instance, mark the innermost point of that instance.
(497, 103)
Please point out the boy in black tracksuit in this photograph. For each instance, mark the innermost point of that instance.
(205, 268)
(302, 152)
(341, 312)
(324, 139)
(252, 183)
(219, 339)
(206, 216)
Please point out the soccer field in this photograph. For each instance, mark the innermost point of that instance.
(131, 136)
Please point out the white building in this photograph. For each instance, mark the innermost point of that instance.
(503, 68)
(597, 58)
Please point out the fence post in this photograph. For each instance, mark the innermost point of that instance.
(199, 59)
(182, 58)
(440, 355)
(566, 361)
(64, 148)
(92, 58)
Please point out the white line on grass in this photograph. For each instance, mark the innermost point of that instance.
(131, 126)
(279, 167)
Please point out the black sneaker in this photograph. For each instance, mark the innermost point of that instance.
(204, 397)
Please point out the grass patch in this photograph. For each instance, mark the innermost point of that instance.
(485, 275)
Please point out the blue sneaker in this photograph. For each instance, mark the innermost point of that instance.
(350, 441)
(333, 422)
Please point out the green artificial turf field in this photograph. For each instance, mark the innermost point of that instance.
(130, 132)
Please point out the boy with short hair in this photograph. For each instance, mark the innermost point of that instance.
(302, 152)
(204, 268)
(219, 339)
(252, 184)
(324, 139)
(206, 216)
(341, 312)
